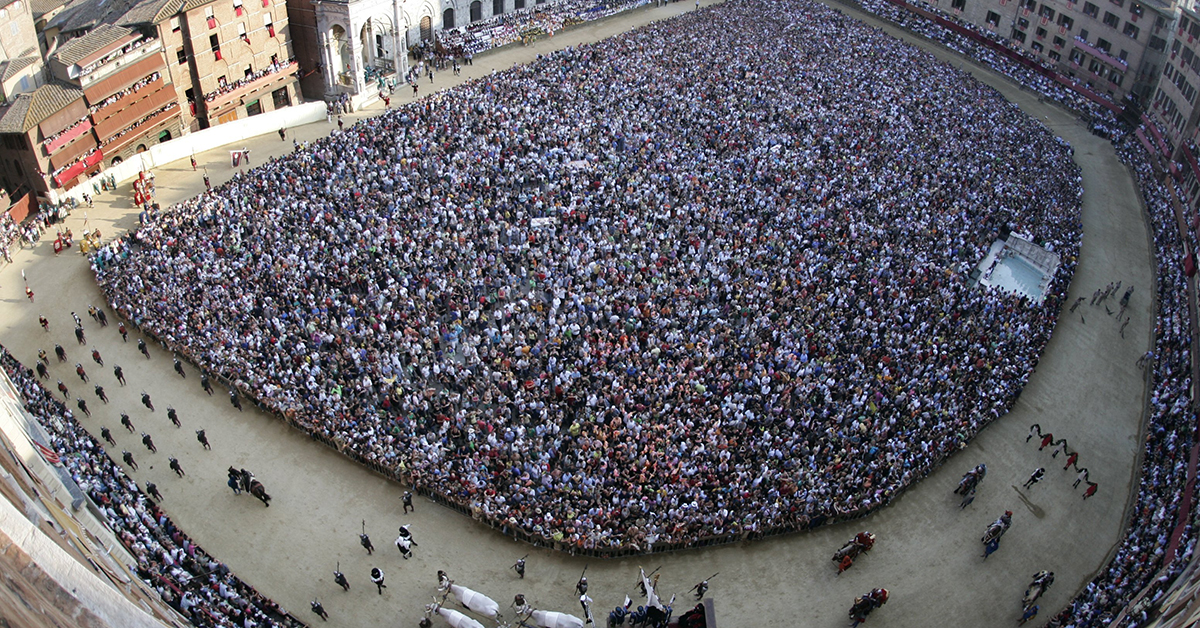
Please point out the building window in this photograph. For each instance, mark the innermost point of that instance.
(281, 98)
(249, 71)
(268, 24)
(1018, 35)
(216, 46)
(221, 81)
(1119, 3)
(1090, 9)
(1135, 9)
(1076, 56)
(1158, 43)
(518, 4)
(1022, 22)
(242, 32)
(1037, 46)
(209, 17)
(1046, 12)
(993, 18)
(174, 22)
(1040, 33)
(237, 7)
(1096, 67)
(497, 7)
(181, 56)
(1054, 55)
(1059, 42)
(1131, 31)
(1124, 54)
(1103, 44)
(253, 108)
(1111, 20)
(1116, 77)
(958, 4)
(1065, 21)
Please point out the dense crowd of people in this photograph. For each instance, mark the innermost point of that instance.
(615, 298)
(990, 56)
(538, 17)
(188, 579)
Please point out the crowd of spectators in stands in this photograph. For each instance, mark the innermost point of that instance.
(1138, 563)
(1170, 433)
(644, 291)
(188, 579)
(1001, 62)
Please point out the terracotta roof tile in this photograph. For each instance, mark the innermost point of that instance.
(80, 48)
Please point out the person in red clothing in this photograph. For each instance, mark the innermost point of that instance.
(1071, 459)
(1046, 441)
(1091, 490)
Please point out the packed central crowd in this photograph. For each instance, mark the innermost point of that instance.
(647, 290)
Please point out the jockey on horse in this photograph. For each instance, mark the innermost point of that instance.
(971, 480)
(1041, 582)
(998, 527)
(865, 604)
(862, 542)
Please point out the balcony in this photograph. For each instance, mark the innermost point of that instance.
(140, 131)
(217, 100)
(100, 90)
(1101, 55)
(72, 151)
(64, 177)
(66, 136)
(136, 111)
(124, 101)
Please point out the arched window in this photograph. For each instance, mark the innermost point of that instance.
(497, 7)
(448, 19)
(476, 11)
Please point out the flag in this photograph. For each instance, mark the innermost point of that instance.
(47, 453)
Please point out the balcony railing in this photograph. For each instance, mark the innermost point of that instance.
(217, 98)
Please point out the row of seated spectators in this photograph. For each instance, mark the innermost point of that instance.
(1170, 435)
(188, 579)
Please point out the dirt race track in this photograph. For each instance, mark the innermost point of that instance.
(1086, 389)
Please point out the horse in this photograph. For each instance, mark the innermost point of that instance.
(1041, 583)
(971, 480)
(862, 542)
(995, 531)
(257, 490)
(453, 617)
(475, 601)
(861, 609)
(864, 605)
(553, 619)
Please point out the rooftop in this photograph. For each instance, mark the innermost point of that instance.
(151, 12)
(9, 69)
(81, 15)
(99, 40)
(42, 7)
(27, 110)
